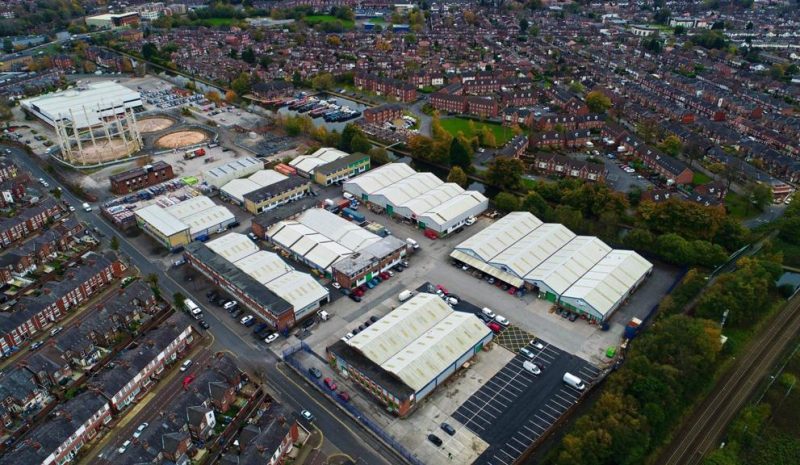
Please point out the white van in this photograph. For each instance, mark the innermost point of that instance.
(193, 309)
(323, 315)
(347, 195)
(411, 242)
(405, 295)
(531, 367)
(488, 312)
(87, 207)
(574, 381)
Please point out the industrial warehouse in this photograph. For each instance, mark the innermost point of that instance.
(85, 106)
(579, 273)
(176, 225)
(435, 206)
(260, 280)
(404, 356)
(327, 242)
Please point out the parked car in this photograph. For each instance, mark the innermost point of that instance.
(502, 320)
(336, 285)
(344, 396)
(140, 429)
(488, 312)
(36, 345)
(537, 344)
(470, 221)
(246, 319)
(230, 305)
(186, 364)
(204, 324)
(448, 429)
(313, 371)
(435, 440)
(330, 384)
(496, 328)
(526, 352)
(124, 446)
(307, 415)
(355, 297)
(271, 338)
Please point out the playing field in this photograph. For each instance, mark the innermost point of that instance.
(318, 19)
(502, 134)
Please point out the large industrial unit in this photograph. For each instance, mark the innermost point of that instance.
(579, 273)
(236, 189)
(223, 174)
(432, 204)
(306, 164)
(276, 194)
(259, 280)
(404, 356)
(325, 241)
(176, 225)
(341, 169)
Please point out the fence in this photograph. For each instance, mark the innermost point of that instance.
(288, 358)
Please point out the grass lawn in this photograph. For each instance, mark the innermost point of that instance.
(319, 19)
(216, 22)
(739, 206)
(455, 125)
(700, 178)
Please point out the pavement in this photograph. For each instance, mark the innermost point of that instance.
(284, 386)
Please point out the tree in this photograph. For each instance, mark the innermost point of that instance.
(598, 102)
(56, 194)
(460, 153)
(761, 196)
(379, 156)
(241, 85)
(679, 30)
(458, 176)
(671, 145)
(230, 96)
(323, 81)
(8, 45)
(505, 173)
(538, 206)
(359, 143)
(693, 151)
(213, 96)
(523, 25)
(152, 279)
(114, 243)
(150, 51)
(790, 230)
(249, 56)
(178, 299)
(346, 141)
(506, 202)
(662, 16)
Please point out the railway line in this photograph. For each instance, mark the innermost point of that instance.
(702, 431)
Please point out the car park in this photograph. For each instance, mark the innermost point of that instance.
(447, 428)
(435, 440)
(271, 338)
(330, 384)
(313, 371)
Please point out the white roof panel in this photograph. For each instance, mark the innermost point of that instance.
(325, 254)
(237, 188)
(392, 333)
(233, 246)
(531, 250)
(500, 235)
(299, 289)
(264, 178)
(432, 198)
(208, 219)
(190, 207)
(406, 189)
(106, 96)
(456, 206)
(609, 280)
(309, 163)
(441, 346)
(263, 266)
(378, 178)
(569, 263)
(159, 219)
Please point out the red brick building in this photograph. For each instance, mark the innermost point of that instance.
(383, 113)
(139, 178)
(400, 90)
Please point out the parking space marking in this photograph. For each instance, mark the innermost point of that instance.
(560, 404)
(569, 401)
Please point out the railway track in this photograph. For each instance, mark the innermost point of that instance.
(704, 428)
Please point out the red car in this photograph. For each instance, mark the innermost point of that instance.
(344, 396)
(359, 292)
(384, 276)
(431, 234)
(496, 328)
(187, 381)
(512, 290)
(330, 384)
(442, 288)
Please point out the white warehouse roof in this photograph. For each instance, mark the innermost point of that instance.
(190, 207)
(99, 99)
(263, 266)
(609, 281)
(406, 189)
(531, 250)
(238, 188)
(299, 289)
(233, 247)
(209, 219)
(308, 163)
(570, 263)
(226, 173)
(160, 220)
(504, 232)
(378, 178)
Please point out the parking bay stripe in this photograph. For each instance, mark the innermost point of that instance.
(565, 407)
(553, 419)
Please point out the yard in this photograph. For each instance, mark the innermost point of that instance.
(313, 20)
(700, 178)
(502, 134)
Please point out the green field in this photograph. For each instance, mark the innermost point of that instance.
(700, 178)
(216, 22)
(319, 19)
(455, 125)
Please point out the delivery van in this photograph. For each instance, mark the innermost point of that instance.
(574, 381)
(193, 309)
(412, 243)
(405, 295)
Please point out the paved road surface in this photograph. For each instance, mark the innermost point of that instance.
(340, 429)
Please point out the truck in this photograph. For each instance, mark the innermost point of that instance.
(354, 215)
(189, 154)
(574, 381)
(412, 243)
(193, 309)
(632, 328)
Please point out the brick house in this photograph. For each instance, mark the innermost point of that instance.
(560, 165)
(28, 221)
(400, 90)
(383, 113)
(141, 177)
(267, 441)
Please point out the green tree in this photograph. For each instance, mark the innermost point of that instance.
(178, 299)
(537, 205)
(761, 196)
(359, 143)
(523, 25)
(671, 145)
(8, 45)
(506, 202)
(460, 153)
(249, 56)
(241, 85)
(597, 102)
(505, 173)
(379, 156)
(458, 176)
(114, 243)
(323, 81)
(346, 141)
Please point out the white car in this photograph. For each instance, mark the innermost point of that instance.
(307, 415)
(271, 338)
(246, 319)
(185, 365)
(71, 208)
(124, 446)
(140, 430)
(336, 285)
(537, 344)
(470, 221)
(502, 320)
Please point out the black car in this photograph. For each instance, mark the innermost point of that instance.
(373, 318)
(344, 291)
(220, 301)
(309, 323)
(204, 324)
(355, 298)
(485, 318)
(448, 429)
(315, 372)
(236, 313)
(435, 440)
(211, 295)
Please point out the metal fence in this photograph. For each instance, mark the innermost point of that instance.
(288, 357)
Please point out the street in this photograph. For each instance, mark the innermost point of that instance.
(285, 387)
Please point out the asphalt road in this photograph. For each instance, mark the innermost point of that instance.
(341, 430)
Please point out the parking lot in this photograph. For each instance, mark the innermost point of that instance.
(515, 407)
